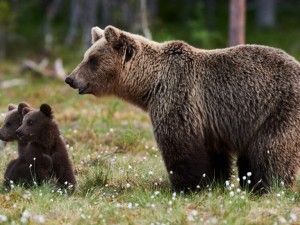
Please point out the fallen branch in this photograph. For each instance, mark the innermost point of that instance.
(42, 68)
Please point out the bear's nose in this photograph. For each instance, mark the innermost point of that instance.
(18, 133)
(69, 81)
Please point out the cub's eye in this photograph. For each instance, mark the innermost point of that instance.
(29, 122)
(8, 124)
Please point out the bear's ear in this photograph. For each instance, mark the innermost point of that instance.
(21, 106)
(112, 35)
(25, 111)
(97, 34)
(11, 107)
(46, 109)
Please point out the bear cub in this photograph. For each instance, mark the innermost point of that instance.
(19, 169)
(41, 132)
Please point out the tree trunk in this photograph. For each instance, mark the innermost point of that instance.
(74, 20)
(89, 19)
(265, 13)
(211, 15)
(52, 11)
(237, 22)
(84, 14)
(2, 44)
(144, 20)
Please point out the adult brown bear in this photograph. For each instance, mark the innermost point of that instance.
(206, 106)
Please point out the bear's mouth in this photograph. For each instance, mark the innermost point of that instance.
(83, 90)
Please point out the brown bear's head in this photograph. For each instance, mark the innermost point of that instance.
(12, 122)
(104, 62)
(35, 123)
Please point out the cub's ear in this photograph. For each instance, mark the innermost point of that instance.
(112, 35)
(97, 34)
(25, 111)
(46, 109)
(11, 107)
(21, 106)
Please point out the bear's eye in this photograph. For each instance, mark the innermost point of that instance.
(93, 59)
(29, 122)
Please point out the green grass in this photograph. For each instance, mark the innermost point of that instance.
(121, 176)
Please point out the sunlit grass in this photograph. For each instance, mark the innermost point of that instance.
(120, 172)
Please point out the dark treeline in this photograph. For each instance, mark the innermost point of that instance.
(43, 25)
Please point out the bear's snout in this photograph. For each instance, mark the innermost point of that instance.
(19, 133)
(70, 82)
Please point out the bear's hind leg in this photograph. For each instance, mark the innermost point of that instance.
(274, 155)
(222, 166)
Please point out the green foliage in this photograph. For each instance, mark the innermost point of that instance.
(6, 15)
(97, 177)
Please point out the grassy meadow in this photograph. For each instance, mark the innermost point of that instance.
(120, 172)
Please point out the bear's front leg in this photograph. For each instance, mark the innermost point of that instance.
(187, 163)
(9, 169)
(48, 163)
(63, 169)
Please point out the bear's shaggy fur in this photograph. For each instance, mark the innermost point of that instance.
(18, 169)
(41, 132)
(206, 106)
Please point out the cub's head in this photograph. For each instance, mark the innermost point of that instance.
(12, 122)
(35, 123)
(103, 62)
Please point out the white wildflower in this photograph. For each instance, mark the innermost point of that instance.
(194, 212)
(129, 206)
(293, 217)
(3, 218)
(39, 219)
(282, 219)
(213, 220)
(190, 218)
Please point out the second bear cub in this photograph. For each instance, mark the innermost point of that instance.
(41, 132)
(19, 169)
